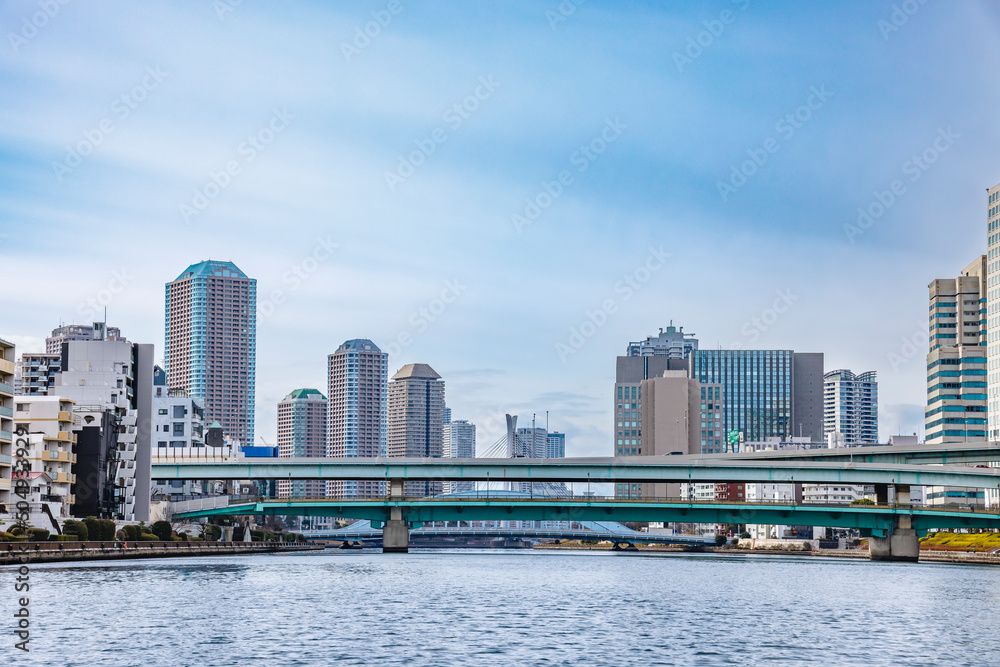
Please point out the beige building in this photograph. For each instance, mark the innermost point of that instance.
(49, 425)
(6, 421)
(416, 420)
(679, 415)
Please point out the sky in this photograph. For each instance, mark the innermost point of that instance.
(508, 193)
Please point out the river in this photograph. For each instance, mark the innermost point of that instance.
(467, 607)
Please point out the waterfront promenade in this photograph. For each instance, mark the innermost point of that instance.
(17, 553)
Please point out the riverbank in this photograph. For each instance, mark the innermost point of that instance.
(926, 555)
(20, 553)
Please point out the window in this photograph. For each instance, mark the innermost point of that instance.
(161, 443)
(162, 411)
(178, 428)
(179, 411)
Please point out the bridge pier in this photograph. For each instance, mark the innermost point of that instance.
(396, 531)
(901, 544)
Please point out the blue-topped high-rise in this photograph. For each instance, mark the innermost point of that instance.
(210, 347)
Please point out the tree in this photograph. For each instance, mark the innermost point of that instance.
(78, 528)
(107, 530)
(720, 540)
(131, 532)
(162, 530)
(38, 534)
(93, 527)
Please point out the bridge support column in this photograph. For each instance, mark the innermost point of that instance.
(395, 534)
(396, 531)
(901, 545)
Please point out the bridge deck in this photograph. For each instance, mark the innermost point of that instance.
(422, 510)
(597, 470)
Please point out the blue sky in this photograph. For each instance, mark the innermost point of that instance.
(618, 121)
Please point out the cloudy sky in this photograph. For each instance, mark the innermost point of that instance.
(508, 194)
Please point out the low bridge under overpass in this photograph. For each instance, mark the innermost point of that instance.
(610, 531)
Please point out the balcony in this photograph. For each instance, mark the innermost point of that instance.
(6, 388)
(64, 417)
(5, 459)
(6, 435)
(6, 412)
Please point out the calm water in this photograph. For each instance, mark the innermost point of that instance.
(508, 607)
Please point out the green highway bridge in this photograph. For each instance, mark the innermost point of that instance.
(895, 528)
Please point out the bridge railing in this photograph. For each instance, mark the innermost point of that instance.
(583, 500)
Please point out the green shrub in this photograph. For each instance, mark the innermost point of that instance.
(38, 534)
(107, 530)
(744, 535)
(93, 527)
(6, 537)
(162, 530)
(77, 529)
(148, 537)
(64, 538)
(176, 538)
(17, 530)
(131, 532)
(720, 540)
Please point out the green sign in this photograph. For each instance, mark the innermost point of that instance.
(733, 437)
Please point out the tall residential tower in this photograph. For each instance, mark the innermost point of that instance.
(302, 421)
(956, 361)
(416, 420)
(210, 348)
(356, 384)
(850, 406)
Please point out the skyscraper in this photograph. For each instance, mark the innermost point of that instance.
(356, 385)
(302, 423)
(957, 400)
(670, 342)
(850, 406)
(555, 445)
(210, 347)
(459, 442)
(766, 393)
(669, 350)
(416, 419)
(990, 297)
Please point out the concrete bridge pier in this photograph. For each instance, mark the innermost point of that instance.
(900, 544)
(396, 531)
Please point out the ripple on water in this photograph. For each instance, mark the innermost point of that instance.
(475, 607)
